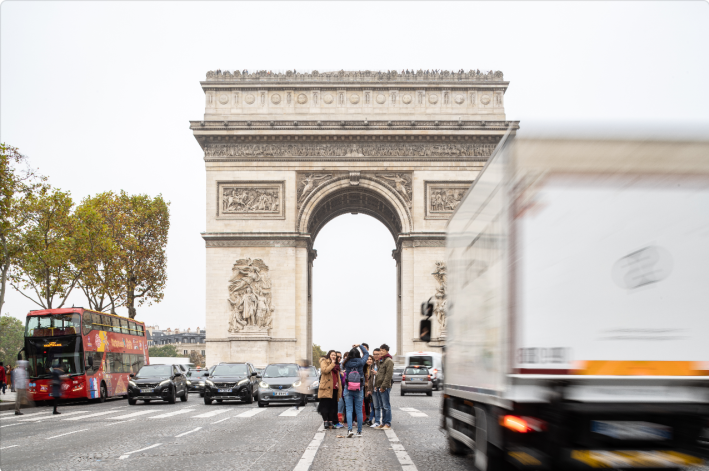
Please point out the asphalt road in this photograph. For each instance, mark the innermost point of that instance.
(190, 435)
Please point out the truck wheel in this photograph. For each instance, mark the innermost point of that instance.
(457, 448)
(487, 456)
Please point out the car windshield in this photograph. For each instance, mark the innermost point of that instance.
(398, 370)
(421, 361)
(155, 370)
(52, 325)
(281, 371)
(230, 370)
(416, 371)
(65, 353)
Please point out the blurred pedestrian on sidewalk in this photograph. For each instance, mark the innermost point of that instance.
(330, 389)
(3, 378)
(20, 382)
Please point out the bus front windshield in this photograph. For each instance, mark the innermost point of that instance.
(64, 353)
(52, 325)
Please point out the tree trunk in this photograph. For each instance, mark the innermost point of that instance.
(130, 299)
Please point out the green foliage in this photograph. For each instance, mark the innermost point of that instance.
(317, 353)
(17, 181)
(44, 269)
(12, 339)
(164, 351)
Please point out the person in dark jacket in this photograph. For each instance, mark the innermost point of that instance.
(3, 378)
(353, 398)
(57, 377)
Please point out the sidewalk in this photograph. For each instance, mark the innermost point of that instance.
(7, 400)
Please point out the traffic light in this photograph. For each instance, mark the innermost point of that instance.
(425, 328)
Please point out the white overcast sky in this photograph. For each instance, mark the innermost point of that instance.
(99, 95)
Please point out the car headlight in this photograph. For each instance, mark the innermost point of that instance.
(189, 383)
(264, 385)
(296, 384)
(315, 385)
(164, 383)
(132, 384)
(243, 382)
(209, 383)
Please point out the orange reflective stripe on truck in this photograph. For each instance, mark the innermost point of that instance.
(639, 368)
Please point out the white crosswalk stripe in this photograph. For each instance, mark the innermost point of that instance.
(413, 412)
(212, 413)
(170, 414)
(134, 414)
(292, 412)
(250, 413)
(97, 414)
(60, 416)
(25, 415)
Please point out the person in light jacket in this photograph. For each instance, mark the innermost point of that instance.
(20, 382)
(330, 389)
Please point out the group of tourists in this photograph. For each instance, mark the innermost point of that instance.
(356, 386)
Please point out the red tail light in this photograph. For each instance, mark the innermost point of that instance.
(403, 377)
(522, 424)
(429, 377)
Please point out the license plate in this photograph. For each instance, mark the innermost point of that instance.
(224, 390)
(147, 391)
(418, 379)
(280, 393)
(631, 430)
(635, 459)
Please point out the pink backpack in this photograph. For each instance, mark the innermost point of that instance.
(353, 381)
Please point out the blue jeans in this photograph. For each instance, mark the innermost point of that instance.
(377, 403)
(353, 399)
(386, 407)
(341, 405)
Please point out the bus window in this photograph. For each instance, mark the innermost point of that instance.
(87, 323)
(126, 363)
(97, 358)
(116, 322)
(124, 326)
(97, 321)
(140, 330)
(116, 362)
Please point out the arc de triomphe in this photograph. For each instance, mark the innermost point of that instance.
(287, 152)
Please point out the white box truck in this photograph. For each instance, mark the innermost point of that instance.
(578, 307)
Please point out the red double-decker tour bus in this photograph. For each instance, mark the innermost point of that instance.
(96, 350)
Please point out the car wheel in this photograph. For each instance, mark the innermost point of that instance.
(429, 393)
(132, 402)
(201, 394)
(184, 396)
(173, 396)
(261, 404)
(249, 398)
(207, 401)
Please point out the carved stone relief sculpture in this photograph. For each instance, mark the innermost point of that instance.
(250, 200)
(442, 198)
(439, 309)
(307, 183)
(401, 183)
(250, 299)
(423, 149)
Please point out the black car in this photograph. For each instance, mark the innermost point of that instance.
(196, 380)
(157, 382)
(231, 381)
(281, 382)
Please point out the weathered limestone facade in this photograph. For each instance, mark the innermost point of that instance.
(286, 153)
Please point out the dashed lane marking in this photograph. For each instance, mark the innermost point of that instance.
(221, 420)
(212, 413)
(413, 412)
(10, 425)
(97, 414)
(127, 455)
(187, 433)
(170, 414)
(11, 446)
(134, 414)
(68, 433)
(309, 455)
(404, 459)
(24, 415)
(251, 413)
(58, 416)
(292, 412)
(121, 422)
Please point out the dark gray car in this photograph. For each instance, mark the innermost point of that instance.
(279, 384)
(157, 382)
(312, 382)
